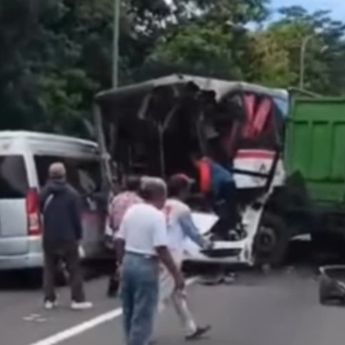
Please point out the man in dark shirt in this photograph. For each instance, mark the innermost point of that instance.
(61, 237)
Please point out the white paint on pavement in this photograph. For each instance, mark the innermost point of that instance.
(81, 328)
(87, 325)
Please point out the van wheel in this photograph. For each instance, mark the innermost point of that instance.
(271, 241)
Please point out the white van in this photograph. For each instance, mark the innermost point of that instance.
(24, 161)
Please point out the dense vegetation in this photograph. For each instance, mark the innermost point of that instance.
(55, 54)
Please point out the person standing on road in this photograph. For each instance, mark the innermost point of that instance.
(118, 207)
(60, 205)
(141, 244)
(180, 227)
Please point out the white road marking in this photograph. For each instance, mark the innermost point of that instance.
(87, 325)
(79, 329)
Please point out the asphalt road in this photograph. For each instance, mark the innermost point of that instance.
(279, 308)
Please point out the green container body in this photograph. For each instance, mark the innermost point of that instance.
(315, 147)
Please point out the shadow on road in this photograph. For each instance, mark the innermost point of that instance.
(301, 256)
(20, 280)
(30, 280)
(304, 254)
(302, 260)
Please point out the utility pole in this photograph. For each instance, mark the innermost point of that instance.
(116, 48)
(304, 45)
(115, 75)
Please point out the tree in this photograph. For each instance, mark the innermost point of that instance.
(56, 54)
(287, 35)
(205, 38)
(199, 50)
(270, 62)
(39, 66)
(236, 11)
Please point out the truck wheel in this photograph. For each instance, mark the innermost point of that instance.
(271, 241)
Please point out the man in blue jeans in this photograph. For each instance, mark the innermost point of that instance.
(142, 243)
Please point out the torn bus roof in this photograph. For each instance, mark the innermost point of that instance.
(220, 87)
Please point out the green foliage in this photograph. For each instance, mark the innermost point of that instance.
(326, 39)
(206, 37)
(56, 54)
(209, 38)
(203, 49)
(270, 62)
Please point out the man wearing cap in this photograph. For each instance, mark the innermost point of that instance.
(180, 227)
(62, 234)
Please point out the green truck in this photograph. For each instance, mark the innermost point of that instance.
(313, 200)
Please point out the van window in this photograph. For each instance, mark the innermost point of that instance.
(13, 177)
(83, 174)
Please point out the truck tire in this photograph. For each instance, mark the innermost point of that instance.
(271, 241)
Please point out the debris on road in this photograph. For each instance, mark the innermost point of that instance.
(332, 284)
(34, 318)
(222, 278)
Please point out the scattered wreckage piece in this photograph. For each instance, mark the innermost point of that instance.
(221, 278)
(332, 284)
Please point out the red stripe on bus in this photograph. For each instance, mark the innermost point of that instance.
(255, 154)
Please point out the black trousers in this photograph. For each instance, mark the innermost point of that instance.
(69, 254)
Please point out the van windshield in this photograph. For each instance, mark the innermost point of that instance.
(13, 177)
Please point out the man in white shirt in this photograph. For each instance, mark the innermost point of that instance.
(180, 227)
(142, 243)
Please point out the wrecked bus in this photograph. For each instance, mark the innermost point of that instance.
(154, 127)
